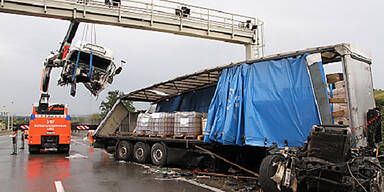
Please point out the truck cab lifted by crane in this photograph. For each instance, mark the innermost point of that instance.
(87, 63)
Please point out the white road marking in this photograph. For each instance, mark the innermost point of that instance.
(59, 186)
(199, 184)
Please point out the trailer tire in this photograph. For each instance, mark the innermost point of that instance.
(110, 149)
(124, 151)
(267, 170)
(159, 154)
(141, 152)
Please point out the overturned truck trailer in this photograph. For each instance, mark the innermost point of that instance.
(271, 102)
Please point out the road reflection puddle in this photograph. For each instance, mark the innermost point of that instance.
(44, 169)
(41, 166)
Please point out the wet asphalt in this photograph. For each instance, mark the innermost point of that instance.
(96, 171)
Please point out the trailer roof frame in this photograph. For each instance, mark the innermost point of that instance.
(330, 54)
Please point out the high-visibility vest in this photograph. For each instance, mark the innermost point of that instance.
(90, 137)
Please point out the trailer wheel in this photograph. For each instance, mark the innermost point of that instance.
(110, 149)
(124, 151)
(267, 170)
(159, 154)
(141, 152)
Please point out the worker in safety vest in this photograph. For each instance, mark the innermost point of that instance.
(14, 141)
(22, 138)
(90, 133)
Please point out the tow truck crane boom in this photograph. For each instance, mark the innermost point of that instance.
(55, 60)
(68, 39)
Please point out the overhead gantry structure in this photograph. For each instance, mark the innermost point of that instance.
(153, 15)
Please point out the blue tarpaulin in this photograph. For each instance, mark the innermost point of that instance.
(270, 101)
(197, 100)
(168, 105)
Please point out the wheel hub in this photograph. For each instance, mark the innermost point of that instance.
(158, 155)
(139, 153)
(123, 151)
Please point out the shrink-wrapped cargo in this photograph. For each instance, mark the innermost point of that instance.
(143, 125)
(162, 124)
(203, 125)
(204, 120)
(188, 124)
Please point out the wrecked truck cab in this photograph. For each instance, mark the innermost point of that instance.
(326, 163)
(90, 64)
(341, 152)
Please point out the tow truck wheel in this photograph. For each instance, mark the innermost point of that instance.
(159, 154)
(267, 170)
(33, 149)
(141, 152)
(63, 149)
(124, 151)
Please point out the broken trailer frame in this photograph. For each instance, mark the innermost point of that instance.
(357, 75)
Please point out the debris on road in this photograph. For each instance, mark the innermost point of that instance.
(122, 161)
(224, 175)
(77, 156)
(227, 161)
(209, 180)
(203, 177)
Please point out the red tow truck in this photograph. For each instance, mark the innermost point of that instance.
(50, 129)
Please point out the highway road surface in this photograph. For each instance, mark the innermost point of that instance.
(88, 169)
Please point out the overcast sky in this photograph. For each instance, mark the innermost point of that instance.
(152, 56)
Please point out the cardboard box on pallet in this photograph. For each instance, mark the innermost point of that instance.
(340, 106)
(340, 85)
(338, 93)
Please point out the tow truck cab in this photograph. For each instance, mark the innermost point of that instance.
(50, 129)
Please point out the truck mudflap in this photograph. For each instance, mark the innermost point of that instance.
(112, 120)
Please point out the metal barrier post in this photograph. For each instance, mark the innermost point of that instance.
(84, 9)
(119, 13)
(45, 6)
(9, 128)
(233, 32)
(209, 29)
(151, 12)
